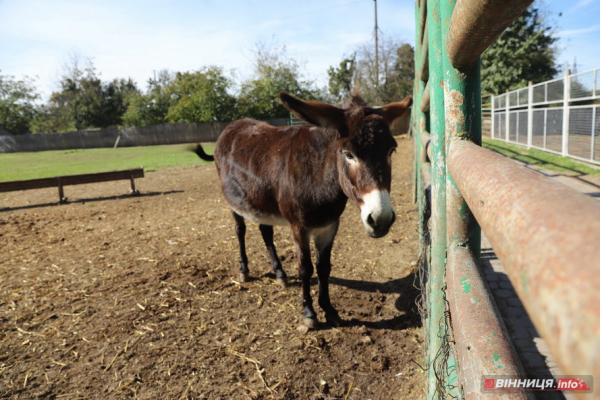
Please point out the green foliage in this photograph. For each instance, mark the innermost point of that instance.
(524, 52)
(201, 96)
(273, 72)
(150, 108)
(84, 101)
(17, 108)
(340, 78)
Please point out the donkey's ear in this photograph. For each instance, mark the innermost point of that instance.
(396, 110)
(319, 114)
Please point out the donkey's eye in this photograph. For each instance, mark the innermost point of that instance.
(348, 155)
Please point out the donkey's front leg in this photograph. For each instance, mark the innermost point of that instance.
(305, 271)
(323, 243)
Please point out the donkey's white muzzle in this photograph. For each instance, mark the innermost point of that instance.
(377, 213)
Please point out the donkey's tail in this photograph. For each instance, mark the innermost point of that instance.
(202, 154)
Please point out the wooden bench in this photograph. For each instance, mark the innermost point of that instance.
(60, 181)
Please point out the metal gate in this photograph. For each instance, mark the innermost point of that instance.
(545, 234)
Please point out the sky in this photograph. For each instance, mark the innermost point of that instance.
(136, 38)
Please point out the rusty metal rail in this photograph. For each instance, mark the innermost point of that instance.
(546, 236)
(476, 24)
(483, 346)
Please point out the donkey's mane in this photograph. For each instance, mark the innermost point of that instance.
(353, 102)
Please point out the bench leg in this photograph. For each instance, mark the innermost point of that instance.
(134, 192)
(61, 195)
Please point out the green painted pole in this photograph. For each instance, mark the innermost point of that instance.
(435, 295)
(462, 103)
(418, 119)
(462, 110)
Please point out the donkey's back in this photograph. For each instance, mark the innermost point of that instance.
(273, 175)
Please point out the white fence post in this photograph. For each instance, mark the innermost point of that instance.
(530, 115)
(493, 125)
(565, 130)
(507, 119)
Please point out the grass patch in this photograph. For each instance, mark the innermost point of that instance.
(539, 158)
(47, 164)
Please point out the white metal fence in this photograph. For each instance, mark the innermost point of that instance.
(560, 116)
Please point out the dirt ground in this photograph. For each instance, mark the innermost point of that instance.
(112, 296)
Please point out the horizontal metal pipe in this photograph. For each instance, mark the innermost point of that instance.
(425, 99)
(483, 346)
(426, 150)
(422, 5)
(547, 237)
(476, 24)
(424, 58)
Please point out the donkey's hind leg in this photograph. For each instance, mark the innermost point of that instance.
(267, 234)
(240, 231)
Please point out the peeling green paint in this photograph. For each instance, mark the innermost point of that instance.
(496, 357)
(465, 285)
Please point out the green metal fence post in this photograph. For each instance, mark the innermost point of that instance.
(418, 120)
(462, 103)
(435, 293)
(462, 110)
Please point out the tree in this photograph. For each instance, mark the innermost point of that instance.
(17, 103)
(116, 97)
(274, 72)
(201, 96)
(392, 79)
(340, 78)
(524, 52)
(84, 101)
(150, 108)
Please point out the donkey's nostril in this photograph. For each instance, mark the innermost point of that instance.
(370, 220)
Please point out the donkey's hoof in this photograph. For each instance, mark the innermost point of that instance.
(244, 277)
(310, 323)
(334, 319)
(281, 282)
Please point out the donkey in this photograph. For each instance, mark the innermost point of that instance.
(302, 177)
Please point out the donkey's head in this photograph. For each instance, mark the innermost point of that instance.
(364, 147)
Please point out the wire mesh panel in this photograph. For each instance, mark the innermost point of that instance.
(522, 127)
(554, 127)
(539, 94)
(500, 126)
(582, 85)
(580, 132)
(538, 128)
(523, 96)
(555, 90)
(500, 101)
(596, 149)
(513, 126)
(513, 98)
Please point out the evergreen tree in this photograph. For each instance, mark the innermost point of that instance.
(340, 78)
(524, 52)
